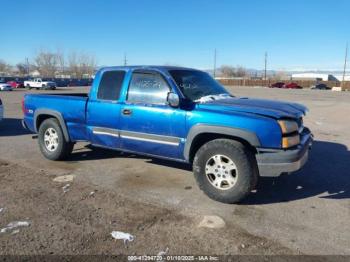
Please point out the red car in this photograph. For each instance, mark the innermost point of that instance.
(277, 85)
(292, 86)
(16, 84)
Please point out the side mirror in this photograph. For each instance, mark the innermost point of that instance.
(173, 99)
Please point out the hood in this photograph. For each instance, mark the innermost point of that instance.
(268, 108)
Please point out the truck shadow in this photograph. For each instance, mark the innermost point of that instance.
(12, 127)
(326, 174)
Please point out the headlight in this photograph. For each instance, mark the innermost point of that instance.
(288, 126)
(290, 141)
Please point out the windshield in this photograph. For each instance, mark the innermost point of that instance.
(196, 84)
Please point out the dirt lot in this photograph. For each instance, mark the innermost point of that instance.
(159, 203)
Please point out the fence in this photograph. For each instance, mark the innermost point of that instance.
(303, 83)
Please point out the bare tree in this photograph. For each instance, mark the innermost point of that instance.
(230, 71)
(281, 75)
(61, 61)
(46, 63)
(227, 71)
(22, 69)
(81, 64)
(4, 68)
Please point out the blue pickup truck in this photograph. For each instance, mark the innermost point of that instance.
(178, 114)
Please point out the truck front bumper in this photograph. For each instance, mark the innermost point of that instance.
(273, 163)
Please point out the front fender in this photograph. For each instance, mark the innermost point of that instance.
(198, 129)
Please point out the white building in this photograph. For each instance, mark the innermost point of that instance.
(314, 76)
(340, 77)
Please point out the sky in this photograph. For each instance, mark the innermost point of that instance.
(297, 34)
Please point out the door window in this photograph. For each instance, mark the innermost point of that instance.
(148, 88)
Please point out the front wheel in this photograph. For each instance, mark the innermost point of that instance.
(225, 170)
(51, 140)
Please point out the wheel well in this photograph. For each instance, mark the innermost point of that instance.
(204, 138)
(41, 118)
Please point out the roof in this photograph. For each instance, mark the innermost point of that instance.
(155, 67)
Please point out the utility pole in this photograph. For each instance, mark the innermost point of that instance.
(214, 73)
(345, 62)
(27, 65)
(265, 69)
(125, 60)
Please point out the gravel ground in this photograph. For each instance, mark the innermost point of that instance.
(159, 203)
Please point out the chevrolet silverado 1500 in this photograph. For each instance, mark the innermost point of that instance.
(179, 114)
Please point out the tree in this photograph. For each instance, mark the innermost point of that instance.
(22, 69)
(230, 71)
(81, 64)
(46, 63)
(4, 68)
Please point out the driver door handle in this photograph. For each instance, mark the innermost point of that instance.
(127, 112)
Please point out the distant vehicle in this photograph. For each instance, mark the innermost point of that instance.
(16, 84)
(5, 87)
(38, 83)
(277, 85)
(1, 111)
(178, 114)
(292, 86)
(321, 87)
(62, 82)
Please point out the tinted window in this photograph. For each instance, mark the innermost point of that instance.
(149, 88)
(110, 85)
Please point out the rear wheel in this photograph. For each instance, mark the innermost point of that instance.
(51, 140)
(225, 170)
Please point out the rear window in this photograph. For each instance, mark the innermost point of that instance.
(110, 85)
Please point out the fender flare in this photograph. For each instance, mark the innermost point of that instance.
(198, 129)
(55, 114)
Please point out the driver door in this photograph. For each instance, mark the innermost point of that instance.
(148, 124)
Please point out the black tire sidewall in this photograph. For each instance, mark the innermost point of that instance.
(245, 166)
(59, 152)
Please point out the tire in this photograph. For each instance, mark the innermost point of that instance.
(59, 149)
(238, 170)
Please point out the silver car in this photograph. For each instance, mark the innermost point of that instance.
(5, 87)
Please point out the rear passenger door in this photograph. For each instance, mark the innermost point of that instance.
(148, 124)
(103, 112)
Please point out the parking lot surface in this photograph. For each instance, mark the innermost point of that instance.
(159, 203)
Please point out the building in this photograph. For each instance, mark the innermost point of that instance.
(314, 76)
(340, 77)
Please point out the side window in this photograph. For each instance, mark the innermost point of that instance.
(149, 88)
(110, 85)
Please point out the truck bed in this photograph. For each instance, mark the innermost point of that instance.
(71, 106)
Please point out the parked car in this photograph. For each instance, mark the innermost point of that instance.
(321, 87)
(177, 114)
(292, 86)
(38, 83)
(5, 87)
(16, 84)
(277, 85)
(62, 82)
(1, 110)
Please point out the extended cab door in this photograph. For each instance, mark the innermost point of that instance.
(148, 124)
(103, 110)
